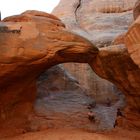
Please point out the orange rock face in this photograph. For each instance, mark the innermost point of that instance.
(132, 38)
(35, 41)
(136, 12)
(30, 43)
(122, 71)
(102, 22)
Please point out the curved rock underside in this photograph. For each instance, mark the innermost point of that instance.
(78, 19)
(35, 41)
(30, 43)
(132, 38)
(105, 23)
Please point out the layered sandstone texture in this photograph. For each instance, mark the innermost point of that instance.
(76, 17)
(132, 39)
(106, 23)
(100, 22)
(34, 97)
(63, 103)
(30, 43)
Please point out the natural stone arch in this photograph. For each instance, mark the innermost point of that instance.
(113, 62)
(42, 41)
(25, 55)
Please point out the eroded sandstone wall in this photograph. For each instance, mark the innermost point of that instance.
(102, 22)
(34, 41)
(30, 43)
(86, 19)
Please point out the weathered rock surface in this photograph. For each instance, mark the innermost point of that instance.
(132, 38)
(74, 17)
(35, 41)
(100, 89)
(114, 63)
(99, 21)
(63, 103)
(30, 43)
(102, 22)
(136, 9)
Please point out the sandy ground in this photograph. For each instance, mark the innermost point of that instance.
(69, 134)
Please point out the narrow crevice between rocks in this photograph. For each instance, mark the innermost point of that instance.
(76, 10)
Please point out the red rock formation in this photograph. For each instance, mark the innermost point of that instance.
(112, 6)
(136, 12)
(62, 102)
(101, 24)
(30, 43)
(26, 54)
(132, 38)
(113, 63)
(74, 17)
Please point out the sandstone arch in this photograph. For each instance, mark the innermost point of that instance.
(41, 43)
(102, 24)
(25, 55)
